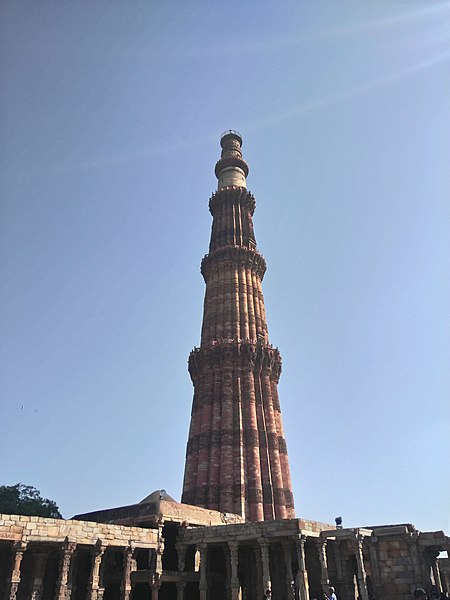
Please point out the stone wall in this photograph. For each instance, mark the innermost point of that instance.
(40, 529)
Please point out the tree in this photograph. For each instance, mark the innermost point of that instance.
(21, 499)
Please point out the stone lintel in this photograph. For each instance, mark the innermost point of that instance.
(309, 534)
(434, 538)
(435, 535)
(347, 533)
(394, 530)
(272, 530)
(314, 526)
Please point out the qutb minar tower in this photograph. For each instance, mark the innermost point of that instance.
(236, 459)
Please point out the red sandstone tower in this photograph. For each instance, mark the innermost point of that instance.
(236, 459)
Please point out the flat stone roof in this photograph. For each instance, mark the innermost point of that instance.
(20, 528)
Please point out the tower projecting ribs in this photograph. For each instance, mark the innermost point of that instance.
(236, 459)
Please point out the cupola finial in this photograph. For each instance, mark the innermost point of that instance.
(231, 169)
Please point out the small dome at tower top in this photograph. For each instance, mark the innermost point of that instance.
(231, 169)
(232, 134)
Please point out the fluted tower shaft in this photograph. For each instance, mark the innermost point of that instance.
(236, 459)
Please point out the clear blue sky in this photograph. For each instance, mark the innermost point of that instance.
(112, 113)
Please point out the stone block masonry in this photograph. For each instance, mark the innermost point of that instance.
(236, 458)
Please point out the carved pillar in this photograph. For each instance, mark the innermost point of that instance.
(362, 583)
(64, 568)
(159, 552)
(322, 550)
(234, 580)
(264, 547)
(38, 576)
(302, 575)
(180, 585)
(94, 578)
(203, 584)
(287, 548)
(125, 586)
(181, 554)
(19, 550)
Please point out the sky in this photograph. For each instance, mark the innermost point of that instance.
(111, 119)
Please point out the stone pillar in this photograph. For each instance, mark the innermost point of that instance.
(94, 578)
(412, 539)
(181, 554)
(38, 576)
(259, 577)
(435, 570)
(287, 548)
(180, 585)
(64, 568)
(355, 589)
(338, 562)
(264, 547)
(322, 550)
(362, 583)
(125, 586)
(302, 575)
(376, 573)
(159, 553)
(18, 550)
(203, 583)
(234, 579)
(155, 590)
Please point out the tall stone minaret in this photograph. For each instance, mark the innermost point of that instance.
(236, 459)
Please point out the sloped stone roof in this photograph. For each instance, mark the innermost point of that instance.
(156, 496)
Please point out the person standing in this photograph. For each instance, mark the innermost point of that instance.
(331, 594)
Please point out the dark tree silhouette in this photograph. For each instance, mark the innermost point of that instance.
(21, 499)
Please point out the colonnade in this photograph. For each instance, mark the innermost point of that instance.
(291, 551)
(64, 580)
(217, 563)
(382, 563)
